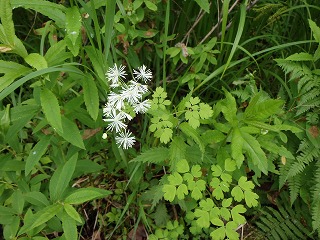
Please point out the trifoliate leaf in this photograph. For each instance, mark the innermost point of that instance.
(182, 190)
(215, 182)
(251, 198)
(218, 193)
(206, 204)
(205, 111)
(175, 179)
(244, 184)
(226, 202)
(196, 194)
(225, 213)
(237, 194)
(203, 220)
(218, 234)
(169, 192)
(182, 166)
(188, 177)
(196, 171)
(226, 177)
(235, 212)
(231, 228)
(216, 170)
(230, 165)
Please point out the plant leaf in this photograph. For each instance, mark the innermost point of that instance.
(51, 109)
(7, 23)
(36, 153)
(61, 178)
(191, 132)
(204, 4)
(73, 23)
(86, 194)
(72, 212)
(154, 155)
(91, 97)
(36, 61)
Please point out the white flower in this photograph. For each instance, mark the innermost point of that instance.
(115, 74)
(116, 100)
(125, 139)
(143, 73)
(130, 94)
(142, 107)
(125, 115)
(115, 121)
(104, 136)
(139, 87)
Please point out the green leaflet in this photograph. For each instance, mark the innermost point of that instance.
(61, 178)
(97, 60)
(86, 194)
(42, 216)
(51, 109)
(204, 4)
(36, 153)
(73, 23)
(36, 198)
(91, 98)
(7, 23)
(237, 146)
(69, 227)
(72, 212)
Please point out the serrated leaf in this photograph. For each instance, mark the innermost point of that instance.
(72, 212)
(177, 151)
(315, 30)
(56, 54)
(191, 132)
(237, 194)
(36, 61)
(229, 108)
(61, 178)
(251, 198)
(70, 133)
(73, 23)
(182, 166)
(6, 21)
(42, 216)
(51, 109)
(36, 153)
(244, 184)
(175, 179)
(86, 194)
(236, 147)
(169, 192)
(90, 95)
(161, 216)
(166, 135)
(300, 57)
(154, 155)
(205, 111)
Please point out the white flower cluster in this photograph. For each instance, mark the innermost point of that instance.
(125, 96)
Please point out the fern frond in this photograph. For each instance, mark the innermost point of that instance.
(316, 199)
(315, 103)
(294, 186)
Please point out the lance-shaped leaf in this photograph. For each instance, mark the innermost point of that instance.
(236, 147)
(7, 23)
(91, 98)
(73, 23)
(51, 109)
(191, 132)
(86, 194)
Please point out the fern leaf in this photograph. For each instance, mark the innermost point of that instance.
(153, 155)
(316, 199)
(294, 186)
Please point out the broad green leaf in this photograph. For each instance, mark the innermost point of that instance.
(231, 230)
(69, 227)
(74, 48)
(51, 109)
(86, 194)
(229, 108)
(251, 198)
(151, 5)
(226, 177)
(36, 198)
(236, 147)
(207, 204)
(6, 21)
(235, 212)
(217, 222)
(191, 132)
(196, 194)
(182, 190)
(73, 23)
(11, 229)
(237, 194)
(182, 166)
(216, 170)
(43, 216)
(17, 201)
(218, 193)
(56, 54)
(226, 202)
(177, 151)
(61, 178)
(196, 171)
(36, 61)
(91, 97)
(70, 133)
(97, 60)
(169, 192)
(230, 165)
(225, 213)
(36, 153)
(204, 4)
(72, 212)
